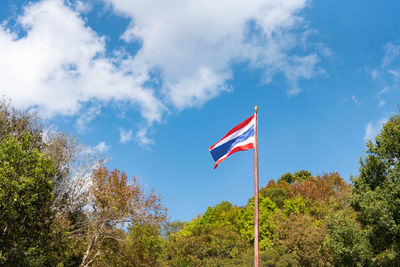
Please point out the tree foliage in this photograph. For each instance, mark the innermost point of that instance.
(267, 209)
(115, 202)
(206, 246)
(348, 242)
(292, 222)
(45, 189)
(299, 176)
(376, 192)
(25, 202)
(303, 238)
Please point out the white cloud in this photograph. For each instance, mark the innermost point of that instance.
(395, 74)
(381, 101)
(388, 75)
(86, 117)
(188, 48)
(325, 51)
(101, 147)
(384, 90)
(355, 100)
(372, 129)
(82, 7)
(392, 51)
(98, 150)
(61, 64)
(370, 132)
(193, 44)
(125, 136)
(143, 140)
(374, 74)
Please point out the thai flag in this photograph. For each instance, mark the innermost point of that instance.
(240, 138)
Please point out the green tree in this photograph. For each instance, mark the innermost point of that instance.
(144, 245)
(302, 176)
(25, 202)
(72, 166)
(60, 147)
(267, 209)
(172, 228)
(376, 193)
(299, 176)
(287, 177)
(223, 214)
(295, 205)
(206, 246)
(211, 239)
(348, 242)
(278, 193)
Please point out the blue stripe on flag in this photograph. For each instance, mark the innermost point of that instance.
(223, 149)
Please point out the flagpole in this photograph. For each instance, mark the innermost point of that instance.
(256, 230)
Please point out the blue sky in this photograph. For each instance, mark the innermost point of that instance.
(152, 84)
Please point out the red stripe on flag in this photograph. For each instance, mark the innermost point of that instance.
(236, 149)
(234, 129)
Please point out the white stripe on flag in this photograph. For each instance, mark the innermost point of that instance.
(235, 134)
(245, 142)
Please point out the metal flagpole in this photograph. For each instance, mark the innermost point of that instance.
(256, 230)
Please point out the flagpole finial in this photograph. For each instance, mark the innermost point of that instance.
(255, 108)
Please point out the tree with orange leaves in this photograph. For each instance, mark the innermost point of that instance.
(115, 202)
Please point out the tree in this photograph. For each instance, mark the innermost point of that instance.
(211, 239)
(303, 238)
(278, 193)
(287, 177)
(267, 209)
(25, 202)
(206, 246)
(172, 228)
(294, 206)
(299, 176)
(376, 193)
(223, 214)
(113, 203)
(60, 147)
(71, 168)
(144, 245)
(81, 216)
(348, 242)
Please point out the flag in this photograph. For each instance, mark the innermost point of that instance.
(240, 138)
